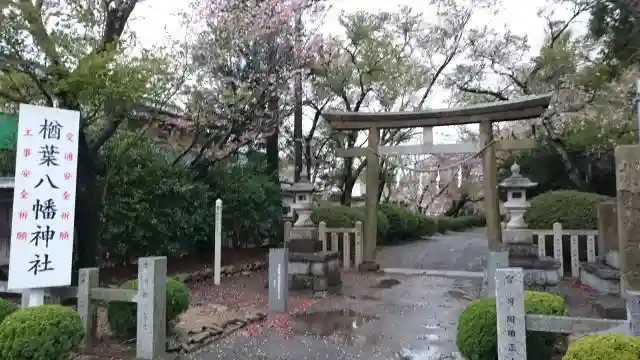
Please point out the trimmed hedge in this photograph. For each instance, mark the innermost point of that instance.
(604, 347)
(573, 209)
(47, 332)
(396, 224)
(122, 316)
(477, 334)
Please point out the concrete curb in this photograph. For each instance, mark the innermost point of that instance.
(429, 272)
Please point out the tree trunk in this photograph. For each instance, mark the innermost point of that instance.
(347, 189)
(88, 208)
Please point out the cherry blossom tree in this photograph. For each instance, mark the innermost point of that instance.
(244, 59)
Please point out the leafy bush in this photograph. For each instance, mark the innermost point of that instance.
(446, 223)
(122, 316)
(155, 207)
(477, 333)
(6, 308)
(47, 332)
(604, 347)
(150, 206)
(398, 222)
(573, 209)
(252, 202)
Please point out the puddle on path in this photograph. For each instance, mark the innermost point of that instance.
(386, 284)
(326, 323)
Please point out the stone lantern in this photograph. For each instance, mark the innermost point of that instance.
(523, 252)
(304, 237)
(516, 205)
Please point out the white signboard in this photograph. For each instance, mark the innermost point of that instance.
(44, 198)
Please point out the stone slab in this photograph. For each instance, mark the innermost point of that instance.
(511, 326)
(601, 270)
(607, 228)
(318, 256)
(278, 280)
(529, 262)
(628, 211)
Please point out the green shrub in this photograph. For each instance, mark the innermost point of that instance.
(604, 347)
(398, 222)
(47, 332)
(6, 308)
(573, 209)
(345, 216)
(155, 207)
(443, 224)
(122, 315)
(427, 226)
(477, 333)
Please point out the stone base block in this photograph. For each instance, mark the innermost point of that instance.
(316, 271)
(612, 259)
(601, 277)
(537, 271)
(522, 249)
(304, 245)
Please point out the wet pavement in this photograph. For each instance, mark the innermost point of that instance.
(461, 251)
(381, 318)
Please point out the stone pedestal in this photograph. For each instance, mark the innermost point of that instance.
(604, 275)
(317, 271)
(537, 271)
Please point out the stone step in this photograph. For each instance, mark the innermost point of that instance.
(610, 307)
(601, 277)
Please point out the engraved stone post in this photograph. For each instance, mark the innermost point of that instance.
(512, 337)
(358, 245)
(278, 280)
(87, 280)
(152, 302)
(628, 211)
(633, 312)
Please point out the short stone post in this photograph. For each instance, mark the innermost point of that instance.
(558, 254)
(217, 243)
(152, 302)
(287, 231)
(358, 244)
(322, 235)
(608, 234)
(87, 280)
(278, 280)
(495, 260)
(512, 331)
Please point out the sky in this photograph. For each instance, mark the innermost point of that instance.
(154, 19)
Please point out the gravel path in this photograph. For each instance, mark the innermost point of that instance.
(462, 251)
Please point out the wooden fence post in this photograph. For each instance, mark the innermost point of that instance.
(322, 235)
(152, 302)
(87, 280)
(358, 245)
(512, 331)
(557, 247)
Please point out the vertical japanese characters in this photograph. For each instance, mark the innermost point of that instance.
(44, 197)
(39, 191)
(510, 314)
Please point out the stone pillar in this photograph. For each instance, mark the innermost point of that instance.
(608, 233)
(628, 212)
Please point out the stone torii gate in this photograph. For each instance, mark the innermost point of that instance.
(484, 114)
